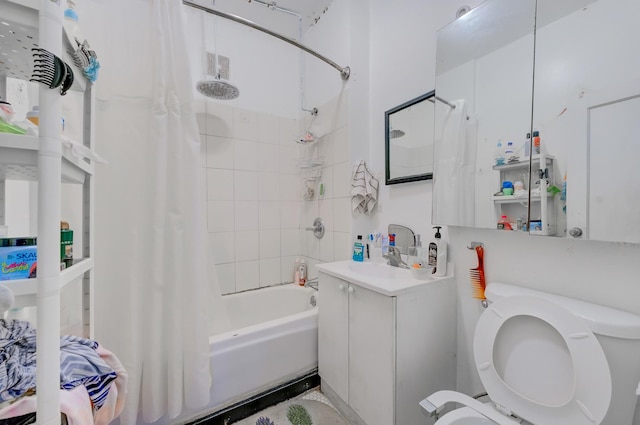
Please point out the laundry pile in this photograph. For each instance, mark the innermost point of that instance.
(92, 379)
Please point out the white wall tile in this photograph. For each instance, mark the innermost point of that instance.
(269, 243)
(245, 155)
(200, 108)
(312, 270)
(220, 217)
(290, 242)
(327, 179)
(290, 214)
(342, 246)
(342, 175)
(246, 213)
(219, 152)
(268, 215)
(219, 120)
(268, 129)
(245, 125)
(342, 215)
(222, 247)
(247, 275)
(247, 245)
(287, 128)
(290, 188)
(289, 163)
(312, 245)
(341, 146)
(245, 185)
(327, 247)
(311, 212)
(219, 185)
(287, 266)
(268, 186)
(325, 210)
(268, 157)
(325, 148)
(270, 271)
(226, 277)
(203, 150)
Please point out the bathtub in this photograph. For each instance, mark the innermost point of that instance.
(275, 340)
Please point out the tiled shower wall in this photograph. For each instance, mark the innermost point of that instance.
(255, 206)
(333, 150)
(253, 195)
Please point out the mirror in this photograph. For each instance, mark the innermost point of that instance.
(586, 108)
(484, 68)
(409, 140)
(583, 108)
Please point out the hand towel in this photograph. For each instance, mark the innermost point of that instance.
(364, 189)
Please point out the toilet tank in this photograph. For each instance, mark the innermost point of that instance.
(619, 335)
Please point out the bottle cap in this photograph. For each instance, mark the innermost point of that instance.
(536, 134)
(359, 237)
(437, 235)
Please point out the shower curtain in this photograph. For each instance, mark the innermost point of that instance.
(157, 297)
(453, 187)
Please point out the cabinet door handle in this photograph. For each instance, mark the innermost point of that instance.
(341, 287)
(351, 290)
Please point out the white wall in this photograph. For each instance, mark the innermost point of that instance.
(403, 66)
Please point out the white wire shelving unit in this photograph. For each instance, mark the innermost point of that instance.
(25, 24)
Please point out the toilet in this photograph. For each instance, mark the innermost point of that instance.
(545, 359)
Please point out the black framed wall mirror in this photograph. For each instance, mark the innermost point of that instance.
(409, 131)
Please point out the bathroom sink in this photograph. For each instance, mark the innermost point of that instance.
(379, 277)
(378, 270)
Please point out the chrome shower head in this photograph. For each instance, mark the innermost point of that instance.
(217, 89)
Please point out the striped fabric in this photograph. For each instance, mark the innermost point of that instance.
(364, 189)
(79, 363)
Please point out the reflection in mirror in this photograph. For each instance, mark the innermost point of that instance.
(587, 104)
(409, 140)
(485, 68)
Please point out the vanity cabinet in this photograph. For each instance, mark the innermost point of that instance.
(382, 352)
(543, 202)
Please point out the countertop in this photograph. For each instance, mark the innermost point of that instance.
(378, 277)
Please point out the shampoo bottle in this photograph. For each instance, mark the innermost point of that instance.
(438, 254)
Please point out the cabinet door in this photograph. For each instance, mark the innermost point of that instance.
(333, 334)
(371, 355)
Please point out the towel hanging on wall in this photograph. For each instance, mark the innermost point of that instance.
(364, 189)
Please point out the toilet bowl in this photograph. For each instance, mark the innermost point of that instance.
(545, 360)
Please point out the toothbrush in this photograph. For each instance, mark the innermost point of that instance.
(478, 283)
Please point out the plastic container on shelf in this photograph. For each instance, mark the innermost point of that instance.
(504, 223)
(499, 155)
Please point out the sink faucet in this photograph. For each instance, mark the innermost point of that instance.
(395, 258)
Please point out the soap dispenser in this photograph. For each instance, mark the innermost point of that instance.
(438, 254)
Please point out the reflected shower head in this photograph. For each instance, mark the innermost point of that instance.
(394, 134)
(217, 89)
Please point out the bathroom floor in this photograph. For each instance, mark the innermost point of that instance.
(311, 407)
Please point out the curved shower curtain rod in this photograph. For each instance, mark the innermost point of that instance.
(344, 72)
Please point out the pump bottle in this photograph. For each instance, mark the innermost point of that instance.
(438, 254)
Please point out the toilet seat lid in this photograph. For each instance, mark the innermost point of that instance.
(542, 362)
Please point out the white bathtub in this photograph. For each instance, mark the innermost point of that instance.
(275, 340)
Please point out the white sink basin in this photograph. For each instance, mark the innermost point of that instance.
(378, 270)
(378, 277)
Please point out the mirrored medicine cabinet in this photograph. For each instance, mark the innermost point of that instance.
(542, 120)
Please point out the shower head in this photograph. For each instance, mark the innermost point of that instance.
(394, 134)
(217, 89)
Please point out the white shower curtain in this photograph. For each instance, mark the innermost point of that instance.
(157, 296)
(454, 182)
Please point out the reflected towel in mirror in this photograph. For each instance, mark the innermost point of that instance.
(364, 189)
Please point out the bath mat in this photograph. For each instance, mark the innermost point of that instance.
(296, 412)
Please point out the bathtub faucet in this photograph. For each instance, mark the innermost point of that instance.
(312, 283)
